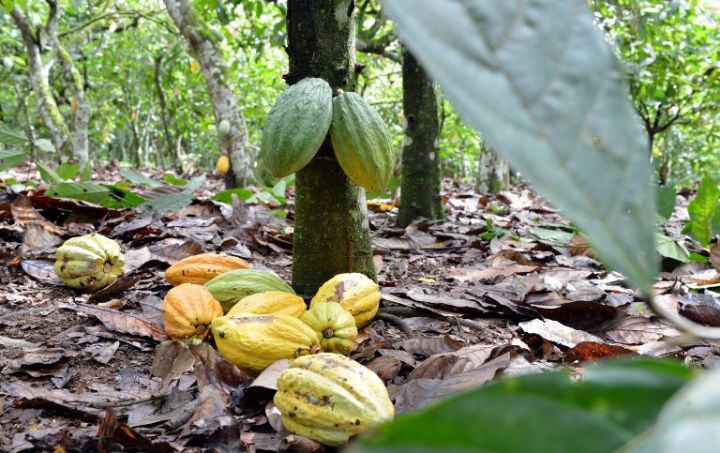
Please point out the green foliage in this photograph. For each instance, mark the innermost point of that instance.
(548, 412)
(670, 49)
(11, 158)
(9, 136)
(704, 214)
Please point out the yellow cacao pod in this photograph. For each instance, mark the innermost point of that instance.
(296, 126)
(223, 165)
(270, 303)
(334, 325)
(253, 342)
(355, 292)
(188, 310)
(331, 398)
(361, 142)
(202, 268)
(230, 287)
(89, 262)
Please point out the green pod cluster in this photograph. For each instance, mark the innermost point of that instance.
(228, 288)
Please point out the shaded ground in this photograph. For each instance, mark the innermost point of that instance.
(500, 288)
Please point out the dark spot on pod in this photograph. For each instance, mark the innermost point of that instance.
(222, 334)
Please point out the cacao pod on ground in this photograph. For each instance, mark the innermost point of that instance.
(202, 268)
(270, 303)
(223, 165)
(361, 142)
(334, 325)
(188, 310)
(330, 398)
(230, 287)
(253, 342)
(355, 292)
(296, 126)
(89, 262)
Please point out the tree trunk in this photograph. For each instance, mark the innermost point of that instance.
(332, 232)
(169, 140)
(80, 106)
(201, 41)
(493, 171)
(49, 112)
(420, 193)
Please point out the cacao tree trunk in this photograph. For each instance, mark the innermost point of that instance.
(420, 190)
(169, 139)
(80, 106)
(493, 171)
(202, 43)
(332, 232)
(49, 112)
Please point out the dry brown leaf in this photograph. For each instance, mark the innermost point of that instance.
(428, 346)
(558, 333)
(122, 322)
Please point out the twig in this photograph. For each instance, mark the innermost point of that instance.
(399, 322)
(123, 403)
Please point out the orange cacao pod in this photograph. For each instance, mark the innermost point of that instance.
(202, 268)
(188, 310)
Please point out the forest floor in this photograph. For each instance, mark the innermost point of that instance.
(503, 286)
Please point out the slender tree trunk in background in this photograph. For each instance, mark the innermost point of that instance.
(80, 106)
(202, 43)
(332, 232)
(493, 171)
(420, 192)
(164, 115)
(49, 112)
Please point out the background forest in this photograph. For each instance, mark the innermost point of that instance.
(149, 108)
(544, 194)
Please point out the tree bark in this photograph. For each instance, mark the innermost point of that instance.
(81, 108)
(202, 43)
(49, 112)
(332, 232)
(169, 139)
(493, 171)
(420, 191)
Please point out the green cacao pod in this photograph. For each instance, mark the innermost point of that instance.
(296, 126)
(355, 292)
(224, 127)
(330, 398)
(89, 262)
(361, 142)
(253, 342)
(228, 288)
(334, 325)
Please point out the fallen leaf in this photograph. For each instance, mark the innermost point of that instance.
(122, 322)
(558, 333)
(589, 351)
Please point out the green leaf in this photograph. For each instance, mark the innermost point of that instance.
(92, 193)
(702, 211)
(10, 136)
(120, 197)
(170, 202)
(226, 195)
(137, 178)
(68, 170)
(48, 174)
(174, 180)
(666, 196)
(195, 183)
(11, 158)
(670, 249)
(688, 422)
(552, 237)
(540, 413)
(544, 87)
(45, 145)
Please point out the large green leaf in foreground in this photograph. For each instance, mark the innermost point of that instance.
(541, 413)
(541, 84)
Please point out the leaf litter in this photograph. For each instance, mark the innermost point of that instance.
(503, 286)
